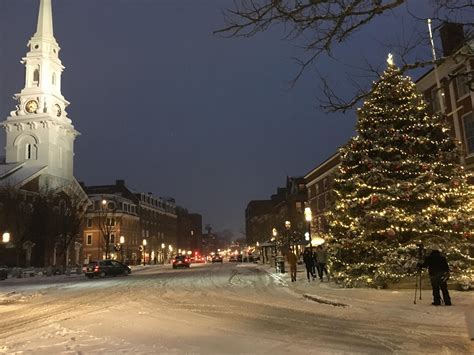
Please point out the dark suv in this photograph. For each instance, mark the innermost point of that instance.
(104, 268)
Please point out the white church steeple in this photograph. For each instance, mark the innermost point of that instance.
(45, 20)
(39, 132)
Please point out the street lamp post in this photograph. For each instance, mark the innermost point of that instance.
(162, 253)
(275, 235)
(309, 217)
(144, 251)
(288, 227)
(122, 242)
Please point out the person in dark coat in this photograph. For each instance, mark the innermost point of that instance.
(322, 256)
(439, 272)
(309, 263)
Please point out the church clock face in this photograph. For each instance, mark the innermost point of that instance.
(58, 110)
(31, 106)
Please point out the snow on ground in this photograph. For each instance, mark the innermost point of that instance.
(218, 309)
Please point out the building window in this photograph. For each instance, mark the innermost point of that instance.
(299, 207)
(111, 222)
(112, 239)
(468, 121)
(28, 151)
(462, 84)
(36, 77)
(89, 222)
(89, 239)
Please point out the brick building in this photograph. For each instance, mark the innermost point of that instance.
(261, 216)
(189, 231)
(117, 212)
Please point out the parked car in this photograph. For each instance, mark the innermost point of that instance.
(3, 272)
(181, 261)
(217, 259)
(104, 268)
(233, 259)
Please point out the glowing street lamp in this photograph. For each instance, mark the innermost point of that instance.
(308, 216)
(144, 250)
(122, 242)
(163, 246)
(288, 227)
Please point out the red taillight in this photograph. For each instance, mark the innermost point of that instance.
(96, 268)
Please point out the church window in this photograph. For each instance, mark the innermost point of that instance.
(28, 151)
(36, 76)
(37, 46)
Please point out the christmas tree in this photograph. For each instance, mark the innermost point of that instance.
(400, 184)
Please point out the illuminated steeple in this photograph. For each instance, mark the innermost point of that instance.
(39, 131)
(45, 20)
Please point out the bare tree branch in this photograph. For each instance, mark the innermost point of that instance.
(321, 25)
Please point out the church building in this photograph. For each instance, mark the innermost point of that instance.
(39, 134)
(39, 162)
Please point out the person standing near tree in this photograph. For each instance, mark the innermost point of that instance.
(438, 269)
(309, 263)
(322, 256)
(292, 261)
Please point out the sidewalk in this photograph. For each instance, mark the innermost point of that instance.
(394, 302)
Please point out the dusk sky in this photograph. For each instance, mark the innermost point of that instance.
(173, 109)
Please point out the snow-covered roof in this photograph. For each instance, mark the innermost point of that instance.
(18, 174)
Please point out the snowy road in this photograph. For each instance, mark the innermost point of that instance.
(218, 308)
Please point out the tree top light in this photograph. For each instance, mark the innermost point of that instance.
(287, 224)
(274, 232)
(390, 59)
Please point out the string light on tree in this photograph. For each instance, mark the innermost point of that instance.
(399, 182)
